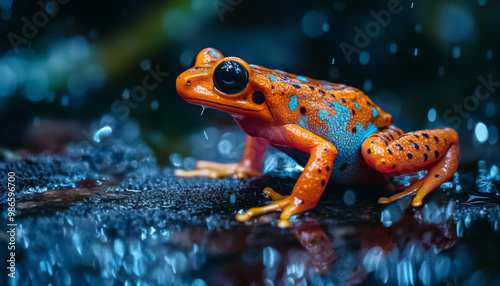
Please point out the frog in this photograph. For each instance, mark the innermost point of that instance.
(336, 132)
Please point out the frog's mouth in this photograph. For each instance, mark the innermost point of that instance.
(214, 104)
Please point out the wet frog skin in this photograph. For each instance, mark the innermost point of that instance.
(334, 130)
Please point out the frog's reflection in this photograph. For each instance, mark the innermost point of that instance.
(411, 232)
(315, 253)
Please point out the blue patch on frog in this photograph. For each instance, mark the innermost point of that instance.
(375, 112)
(293, 103)
(304, 122)
(213, 53)
(357, 105)
(272, 77)
(206, 70)
(328, 87)
(348, 143)
(323, 114)
(302, 78)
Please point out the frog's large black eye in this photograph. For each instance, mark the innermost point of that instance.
(230, 77)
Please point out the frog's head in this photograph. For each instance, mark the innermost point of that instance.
(224, 83)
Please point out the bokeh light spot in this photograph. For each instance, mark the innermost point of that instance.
(364, 58)
(455, 24)
(481, 132)
(431, 115)
(313, 24)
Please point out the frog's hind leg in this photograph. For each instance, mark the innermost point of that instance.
(393, 152)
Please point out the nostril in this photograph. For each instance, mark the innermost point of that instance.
(188, 82)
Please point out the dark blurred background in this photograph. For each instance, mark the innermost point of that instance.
(65, 64)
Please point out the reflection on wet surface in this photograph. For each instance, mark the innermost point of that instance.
(129, 221)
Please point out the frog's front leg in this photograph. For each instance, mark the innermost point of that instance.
(250, 164)
(393, 152)
(312, 181)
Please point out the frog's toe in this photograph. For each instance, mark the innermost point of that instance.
(218, 170)
(289, 206)
(384, 200)
(253, 212)
(412, 189)
(199, 173)
(273, 195)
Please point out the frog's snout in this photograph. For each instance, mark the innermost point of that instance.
(182, 84)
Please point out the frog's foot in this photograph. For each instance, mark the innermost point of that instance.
(219, 170)
(393, 152)
(288, 205)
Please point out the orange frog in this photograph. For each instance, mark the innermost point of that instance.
(335, 131)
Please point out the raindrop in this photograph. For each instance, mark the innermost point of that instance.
(104, 131)
(415, 53)
(232, 199)
(431, 115)
(482, 2)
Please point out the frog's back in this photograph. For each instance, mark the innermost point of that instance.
(340, 114)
